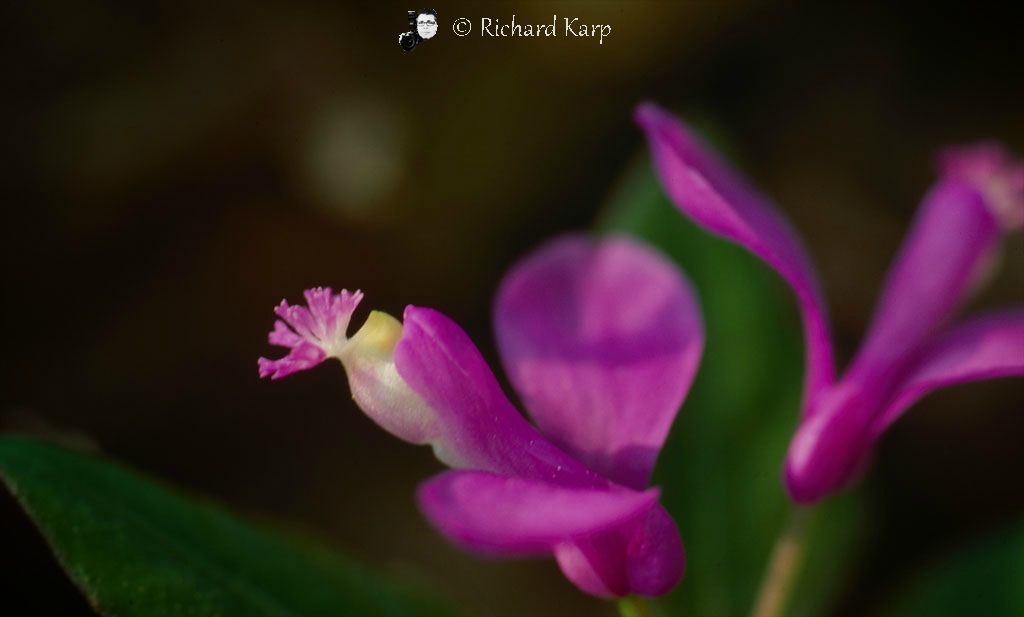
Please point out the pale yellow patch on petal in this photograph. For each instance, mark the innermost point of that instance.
(378, 389)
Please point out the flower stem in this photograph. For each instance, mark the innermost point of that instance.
(786, 560)
(634, 606)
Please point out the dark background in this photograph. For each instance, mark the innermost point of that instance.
(173, 169)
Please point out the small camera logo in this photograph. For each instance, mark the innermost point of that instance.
(422, 27)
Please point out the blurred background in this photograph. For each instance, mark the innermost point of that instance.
(173, 169)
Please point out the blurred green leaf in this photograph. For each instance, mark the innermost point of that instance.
(983, 579)
(721, 468)
(135, 547)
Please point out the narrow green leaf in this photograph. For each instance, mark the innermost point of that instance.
(982, 579)
(135, 547)
(721, 468)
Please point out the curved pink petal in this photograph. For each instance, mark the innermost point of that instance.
(946, 254)
(601, 338)
(983, 348)
(716, 198)
(479, 427)
(945, 251)
(498, 514)
(643, 556)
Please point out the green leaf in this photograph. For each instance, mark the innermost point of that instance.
(721, 467)
(983, 579)
(135, 547)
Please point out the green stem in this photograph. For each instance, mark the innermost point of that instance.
(634, 606)
(784, 565)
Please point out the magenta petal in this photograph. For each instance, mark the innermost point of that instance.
(498, 514)
(602, 340)
(480, 427)
(716, 198)
(982, 348)
(643, 556)
(944, 253)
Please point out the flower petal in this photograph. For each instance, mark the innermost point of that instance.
(984, 348)
(602, 340)
(480, 428)
(946, 249)
(497, 514)
(716, 198)
(946, 253)
(643, 556)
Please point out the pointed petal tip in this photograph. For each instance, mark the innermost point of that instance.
(265, 367)
(658, 123)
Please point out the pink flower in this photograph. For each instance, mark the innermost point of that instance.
(601, 340)
(909, 349)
